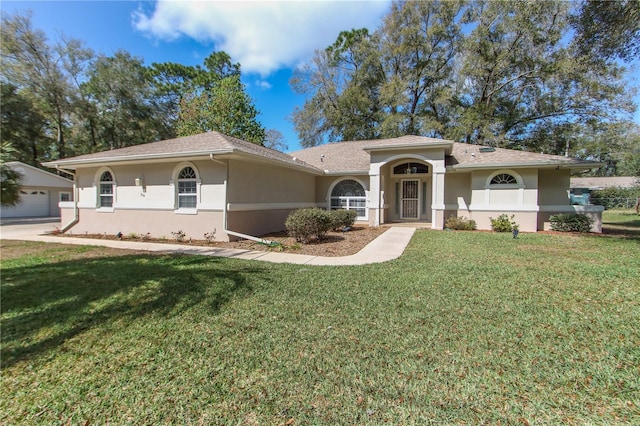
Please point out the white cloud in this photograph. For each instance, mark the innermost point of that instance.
(262, 36)
(263, 84)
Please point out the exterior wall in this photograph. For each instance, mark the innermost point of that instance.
(554, 198)
(158, 223)
(520, 201)
(151, 206)
(457, 195)
(260, 197)
(553, 187)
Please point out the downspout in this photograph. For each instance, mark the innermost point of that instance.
(76, 213)
(225, 211)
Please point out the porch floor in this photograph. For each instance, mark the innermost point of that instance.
(419, 225)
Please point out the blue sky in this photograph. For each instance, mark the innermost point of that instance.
(268, 38)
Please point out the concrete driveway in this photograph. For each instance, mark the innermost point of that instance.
(14, 228)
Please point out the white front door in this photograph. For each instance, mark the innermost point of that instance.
(410, 199)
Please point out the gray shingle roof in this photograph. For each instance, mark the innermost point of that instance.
(352, 157)
(333, 158)
(201, 144)
(472, 156)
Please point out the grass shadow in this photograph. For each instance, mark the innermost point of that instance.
(43, 305)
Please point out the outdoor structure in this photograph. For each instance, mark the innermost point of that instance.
(581, 187)
(40, 193)
(212, 182)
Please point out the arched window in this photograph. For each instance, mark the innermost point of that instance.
(504, 179)
(106, 190)
(410, 169)
(187, 188)
(349, 194)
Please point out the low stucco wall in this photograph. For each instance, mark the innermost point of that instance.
(594, 212)
(527, 221)
(158, 223)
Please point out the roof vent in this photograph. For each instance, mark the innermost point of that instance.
(487, 149)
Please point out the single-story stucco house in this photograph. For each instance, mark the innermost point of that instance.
(40, 192)
(198, 184)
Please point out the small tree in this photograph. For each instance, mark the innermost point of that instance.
(9, 179)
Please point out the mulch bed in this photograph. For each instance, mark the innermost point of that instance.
(334, 244)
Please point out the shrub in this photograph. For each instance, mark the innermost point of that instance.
(179, 236)
(503, 223)
(304, 224)
(210, 236)
(571, 222)
(343, 218)
(612, 198)
(460, 223)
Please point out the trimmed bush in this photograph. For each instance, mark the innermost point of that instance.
(503, 223)
(571, 222)
(460, 224)
(305, 224)
(343, 219)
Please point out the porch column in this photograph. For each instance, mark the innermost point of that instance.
(374, 195)
(437, 199)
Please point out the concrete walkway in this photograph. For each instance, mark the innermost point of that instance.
(390, 245)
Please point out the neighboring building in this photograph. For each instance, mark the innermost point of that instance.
(211, 181)
(40, 193)
(581, 187)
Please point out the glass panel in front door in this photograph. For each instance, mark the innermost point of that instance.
(410, 199)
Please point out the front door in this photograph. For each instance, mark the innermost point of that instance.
(410, 199)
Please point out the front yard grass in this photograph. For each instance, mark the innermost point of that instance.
(464, 328)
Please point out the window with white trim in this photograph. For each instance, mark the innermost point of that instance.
(106, 190)
(504, 179)
(349, 194)
(187, 188)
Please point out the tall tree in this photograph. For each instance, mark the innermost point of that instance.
(608, 29)
(520, 79)
(226, 108)
(22, 126)
(121, 110)
(419, 42)
(512, 79)
(393, 82)
(30, 62)
(212, 97)
(274, 139)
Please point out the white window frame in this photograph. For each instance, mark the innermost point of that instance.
(98, 184)
(175, 184)
(498, 186)
(349, 199)
(519, 182)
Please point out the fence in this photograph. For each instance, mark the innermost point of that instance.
(615, 202)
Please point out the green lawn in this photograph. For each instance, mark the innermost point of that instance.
(464, 328)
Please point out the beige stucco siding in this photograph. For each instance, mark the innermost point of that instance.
(553, 187)
(261, 196)
(157, 223)
(457, 191)
(258, 183)
(150, 207)
(156, 190)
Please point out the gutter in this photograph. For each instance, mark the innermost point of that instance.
(226, 209)
(76, 212)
